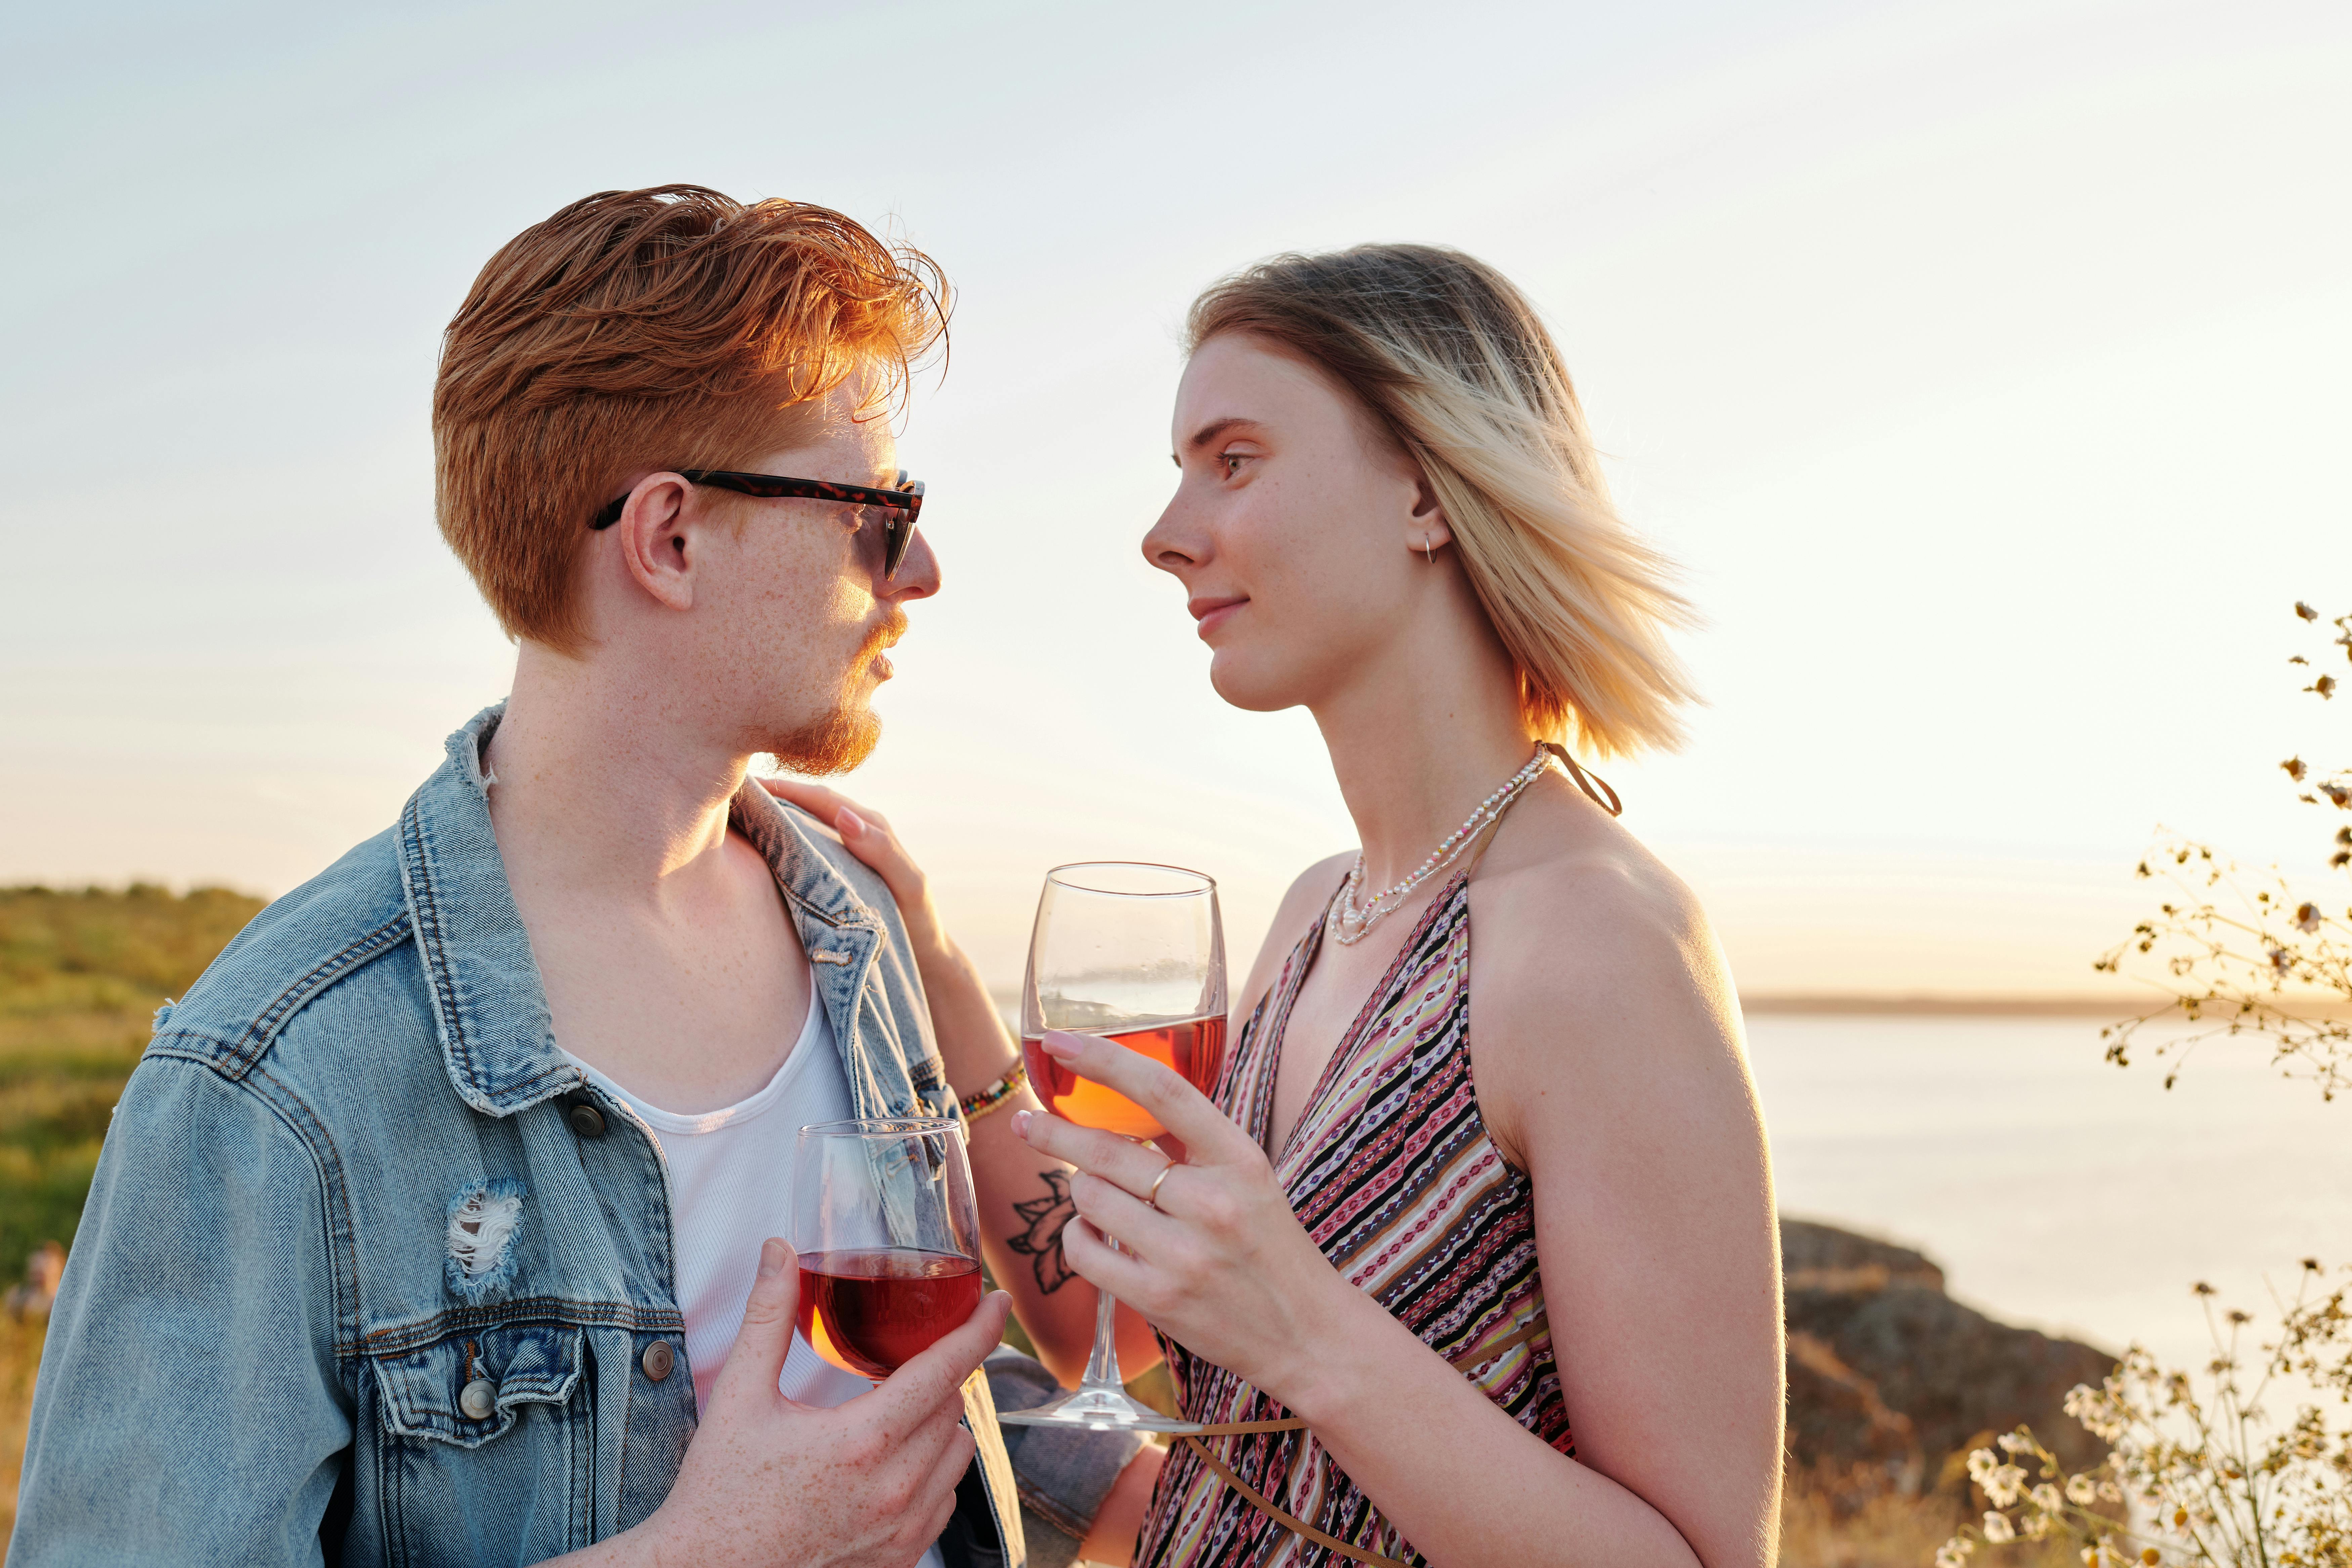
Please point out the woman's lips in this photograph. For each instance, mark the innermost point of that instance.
(1212, 613)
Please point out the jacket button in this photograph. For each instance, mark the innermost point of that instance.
(659, 1359)
(586, 1118)
(478, 1398)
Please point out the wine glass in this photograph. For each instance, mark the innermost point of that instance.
(1135, 953)
(888, 1240)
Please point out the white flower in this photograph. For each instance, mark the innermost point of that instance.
(2045, 1497)
(1998, 1530)
(2082, 1490)
(2098, 1409)
(1954, 1552)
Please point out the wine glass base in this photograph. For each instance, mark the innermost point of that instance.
(1098, 1410)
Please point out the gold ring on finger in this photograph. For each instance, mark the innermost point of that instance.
(1152, 1197)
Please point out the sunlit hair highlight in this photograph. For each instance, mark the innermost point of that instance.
(1455, 365)
(666, 328)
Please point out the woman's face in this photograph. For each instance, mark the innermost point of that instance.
(1293, 527)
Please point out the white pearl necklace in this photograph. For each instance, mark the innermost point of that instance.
(1350, 921)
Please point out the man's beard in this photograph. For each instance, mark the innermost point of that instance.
(846, 736)
(834, 744)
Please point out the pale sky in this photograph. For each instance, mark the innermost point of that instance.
(1980, 362)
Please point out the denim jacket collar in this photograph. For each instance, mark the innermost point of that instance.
(490, 1006)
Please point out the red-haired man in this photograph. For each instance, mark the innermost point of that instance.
(434, 1225)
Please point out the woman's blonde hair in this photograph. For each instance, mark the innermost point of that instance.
(1453, 360)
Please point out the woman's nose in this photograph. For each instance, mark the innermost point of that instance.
(1173, 543)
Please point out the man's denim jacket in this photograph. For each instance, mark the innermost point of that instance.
(270, 1346)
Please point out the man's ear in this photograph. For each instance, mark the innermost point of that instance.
(657, 543)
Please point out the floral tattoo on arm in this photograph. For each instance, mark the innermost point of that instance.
(1043, 1239)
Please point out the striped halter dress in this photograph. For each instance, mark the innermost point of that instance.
(1392, 1173)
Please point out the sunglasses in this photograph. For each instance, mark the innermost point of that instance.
(901, 504)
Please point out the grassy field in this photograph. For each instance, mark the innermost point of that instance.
(81, 976)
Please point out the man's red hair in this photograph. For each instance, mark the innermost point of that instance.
(667, 328)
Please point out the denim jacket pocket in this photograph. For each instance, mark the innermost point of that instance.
(484, 1446)
(473, 1386)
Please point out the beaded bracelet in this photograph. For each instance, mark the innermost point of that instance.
(981, 1102)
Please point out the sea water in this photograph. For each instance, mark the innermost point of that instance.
(2057, 1190)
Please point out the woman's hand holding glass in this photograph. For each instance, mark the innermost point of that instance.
(1219, 1262)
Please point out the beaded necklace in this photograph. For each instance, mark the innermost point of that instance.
(1350, 922)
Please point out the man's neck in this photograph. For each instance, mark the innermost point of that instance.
(669, 960)
(599, 789)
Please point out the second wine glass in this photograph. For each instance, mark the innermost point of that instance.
(1135, 953)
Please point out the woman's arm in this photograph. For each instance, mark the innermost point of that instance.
(1022, 1196)
(1654, 1223)
(1606, 1044)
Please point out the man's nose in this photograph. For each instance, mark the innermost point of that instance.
(918, 576)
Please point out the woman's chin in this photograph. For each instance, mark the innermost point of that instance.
(1252, 690)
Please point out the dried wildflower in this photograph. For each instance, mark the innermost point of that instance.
(2325, 686)
(2294, 768)
(2305, 611)
(2200, 1459)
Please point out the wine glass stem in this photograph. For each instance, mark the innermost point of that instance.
(1102, 1362)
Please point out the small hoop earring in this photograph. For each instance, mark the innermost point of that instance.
(1425, 552)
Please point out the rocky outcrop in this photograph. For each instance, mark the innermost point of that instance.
(1889, 1377)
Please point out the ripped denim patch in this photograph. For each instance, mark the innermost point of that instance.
(484, 1220)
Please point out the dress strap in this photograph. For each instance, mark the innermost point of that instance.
(1535, 1327)
(1604, 797)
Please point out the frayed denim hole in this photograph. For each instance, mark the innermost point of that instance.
(485, 1220)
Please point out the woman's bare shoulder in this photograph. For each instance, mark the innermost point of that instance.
(1579, 883)
(1593, 958)
(1305, 900)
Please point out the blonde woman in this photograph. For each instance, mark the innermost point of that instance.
(1474, 1242)
(1481, 1216)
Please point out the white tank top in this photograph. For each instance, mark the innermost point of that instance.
(731, 1179)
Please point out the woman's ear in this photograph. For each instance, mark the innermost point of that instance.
(1430, 530)
(657, 543)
